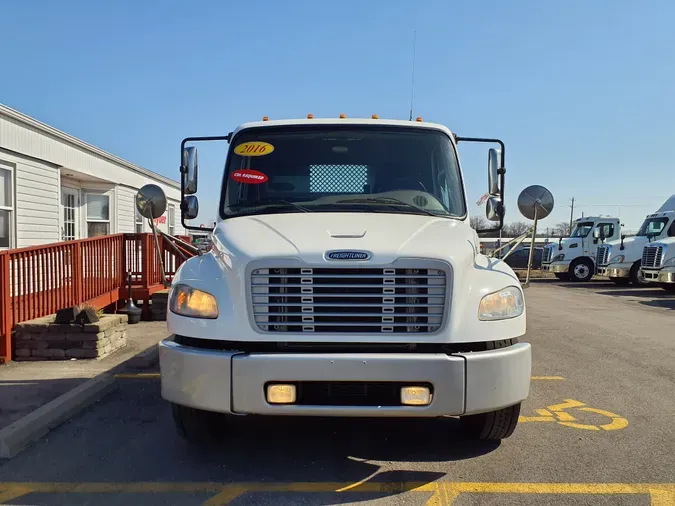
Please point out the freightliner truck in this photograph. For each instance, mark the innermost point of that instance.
(658, 256)
(344, 279)
(620, 260)
(574, 258)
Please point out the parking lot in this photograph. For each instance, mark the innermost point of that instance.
(598, 428)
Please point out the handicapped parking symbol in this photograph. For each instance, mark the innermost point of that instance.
(558, 413)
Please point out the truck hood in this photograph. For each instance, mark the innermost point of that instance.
(632, 248)
(308, 236)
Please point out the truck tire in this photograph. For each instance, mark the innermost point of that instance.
(635, 276)
(582, 270)
(492, 426)
(620, 281)
(563, 276)
(193, 425)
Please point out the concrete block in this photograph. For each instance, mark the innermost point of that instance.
(15, 437)
(22, 352)
(49, 353)
(81, 353)
(29, 343)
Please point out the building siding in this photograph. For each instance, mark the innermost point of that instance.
(126, 210)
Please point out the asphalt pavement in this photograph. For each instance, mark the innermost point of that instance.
(598, 428)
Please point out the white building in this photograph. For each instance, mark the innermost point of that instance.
(54, 187)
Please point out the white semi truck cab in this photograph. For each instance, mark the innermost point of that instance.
(621, 260)
(658, 263)
(344, 280)
(573, 258)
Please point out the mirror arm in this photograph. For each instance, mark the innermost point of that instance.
(501, 172)
(183, 169)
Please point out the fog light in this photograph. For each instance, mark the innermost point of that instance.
(415, 396)
(281, 394)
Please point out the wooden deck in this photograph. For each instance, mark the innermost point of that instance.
(40, 280)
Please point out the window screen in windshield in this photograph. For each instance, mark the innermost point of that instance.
(339, 169)
(652, 226)
(582, 229)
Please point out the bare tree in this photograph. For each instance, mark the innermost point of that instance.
(562, 229)
(515, 229)
(478, 222)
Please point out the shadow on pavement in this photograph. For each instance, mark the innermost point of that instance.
(660, 303)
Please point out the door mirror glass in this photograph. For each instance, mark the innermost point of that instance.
(596, 233)
(493, 171)
(189, 170)
(190, 207)
(494, 210)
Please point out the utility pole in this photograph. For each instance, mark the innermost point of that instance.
(571, 215)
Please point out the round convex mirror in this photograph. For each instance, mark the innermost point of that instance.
(151, 201)
(537, 198)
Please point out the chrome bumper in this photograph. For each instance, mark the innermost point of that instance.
(556, 267)
(665, 275)
(234, 382)
(614, 272)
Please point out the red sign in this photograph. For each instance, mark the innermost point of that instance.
(249, 176)
(160, 220)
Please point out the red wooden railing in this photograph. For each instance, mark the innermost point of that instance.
(40, 280)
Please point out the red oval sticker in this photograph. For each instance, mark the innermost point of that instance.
(249, 176)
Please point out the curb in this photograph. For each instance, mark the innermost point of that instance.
(35, 425)
(144, 360)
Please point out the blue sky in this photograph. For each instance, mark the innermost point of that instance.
(583, 93)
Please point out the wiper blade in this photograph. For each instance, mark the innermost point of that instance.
(264, 202)
(390, 201)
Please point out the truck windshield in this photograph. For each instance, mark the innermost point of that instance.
(582, 229)
(652, 226)
(353, 168)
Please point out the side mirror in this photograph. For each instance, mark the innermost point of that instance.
(189, 170)
(596, 233)
(493, 172)
(494, 209)
(190, 207)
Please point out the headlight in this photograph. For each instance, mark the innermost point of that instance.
(617, 259)
(559, 258)
(188, 301)
(506, 303)
(670, 262)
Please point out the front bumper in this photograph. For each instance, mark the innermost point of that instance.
(613, 271)
(234, 382)
(556, 267)
(664, 275)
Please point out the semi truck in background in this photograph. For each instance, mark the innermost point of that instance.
(621, 260)
(658, 263)
(573, 258)
(344, 279)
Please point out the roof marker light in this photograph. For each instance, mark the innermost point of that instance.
(310, 116)
(374, 116)
(265, 118)
(419, 118)
(342, 115)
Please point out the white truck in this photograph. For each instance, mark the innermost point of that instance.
(574, 258)
(620, 260)
(344, 280)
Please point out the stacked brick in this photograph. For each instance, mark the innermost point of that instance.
(158, 305)
(42, 339)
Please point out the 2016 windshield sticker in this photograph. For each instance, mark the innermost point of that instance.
(254, 148)
(249, 176)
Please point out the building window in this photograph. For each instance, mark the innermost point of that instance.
(172, 220)
(6, 208)
(98, 214)
(139, 221)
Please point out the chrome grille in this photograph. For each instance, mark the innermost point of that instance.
(548, 252)
(603, 255)
(652, 257)
(348, 300)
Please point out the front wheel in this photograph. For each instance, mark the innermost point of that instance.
(492, 426)
(581, 270)
(636, 276)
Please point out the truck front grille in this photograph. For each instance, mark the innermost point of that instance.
(546, 258)
(603, 255)
(652, 256)
(348, 300)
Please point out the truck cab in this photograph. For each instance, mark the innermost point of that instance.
(620, 260)
(344, 279)
(658, 263)
(573, 258)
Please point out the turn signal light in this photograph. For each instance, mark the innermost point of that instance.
(281, 394)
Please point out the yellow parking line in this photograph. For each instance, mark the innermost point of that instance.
(155, 375)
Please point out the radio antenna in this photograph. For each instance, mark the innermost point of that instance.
(412, 87)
